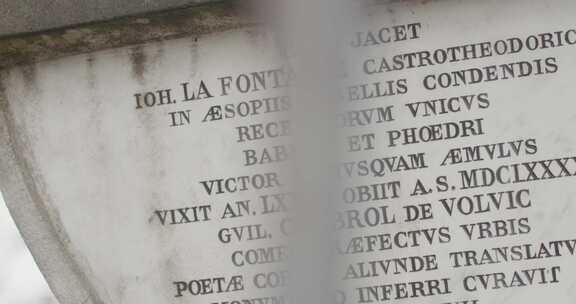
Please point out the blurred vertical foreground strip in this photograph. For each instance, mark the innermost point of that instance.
(311, 33)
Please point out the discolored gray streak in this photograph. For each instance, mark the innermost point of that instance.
(193, 21)
(24, 16)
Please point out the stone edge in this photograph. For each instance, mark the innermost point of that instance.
(192, 20)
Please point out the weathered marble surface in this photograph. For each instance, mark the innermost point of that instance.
(83, 170)
(101, 164)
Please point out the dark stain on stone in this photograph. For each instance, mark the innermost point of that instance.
(29, 74)
(90, 70)
(256, 36)
(138, 60)
(152, 216)
(192, 20)
(194, 57)
(159, 54)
